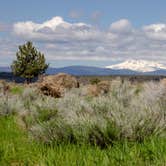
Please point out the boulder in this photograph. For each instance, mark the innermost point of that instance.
(55, 85)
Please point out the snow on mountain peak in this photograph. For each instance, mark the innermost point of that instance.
(139, 65)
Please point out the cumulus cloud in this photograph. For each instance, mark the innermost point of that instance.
(63, 40)
(8, 49)
(55, 29)
(121, 26)
(156, 31)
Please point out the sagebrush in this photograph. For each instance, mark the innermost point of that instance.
(131, 112)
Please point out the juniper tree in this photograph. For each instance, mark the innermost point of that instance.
(30, 62)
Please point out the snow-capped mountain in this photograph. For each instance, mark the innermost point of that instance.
(138, 65)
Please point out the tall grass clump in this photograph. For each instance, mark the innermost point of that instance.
(28, 105)
(128, 112)
(17, 149)
(41, 130)
(121, 114)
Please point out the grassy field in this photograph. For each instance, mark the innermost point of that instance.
(16, 148)
(124, 127)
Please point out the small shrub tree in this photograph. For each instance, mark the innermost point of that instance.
(30, 62)
(94, 81)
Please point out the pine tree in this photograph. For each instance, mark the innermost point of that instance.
(30, 62)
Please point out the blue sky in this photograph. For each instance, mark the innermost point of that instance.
(139, 12)
(84, 32)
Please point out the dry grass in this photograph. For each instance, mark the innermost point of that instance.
(127, 111)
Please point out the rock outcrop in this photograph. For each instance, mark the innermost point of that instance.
(55, 85)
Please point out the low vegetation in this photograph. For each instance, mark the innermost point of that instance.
(125, 126)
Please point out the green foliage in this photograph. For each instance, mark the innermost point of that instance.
(29, 63)
(129, 127)
(17, 90)
(121, 114)
(45, 114)
(16, 148)
(94, 81)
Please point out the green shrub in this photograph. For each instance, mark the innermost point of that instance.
(16, 148)
(17, 90)
(121, 114)
(101, 120)
(94, 81)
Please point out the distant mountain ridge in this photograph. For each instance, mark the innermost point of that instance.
(88, 70)
(5, 69)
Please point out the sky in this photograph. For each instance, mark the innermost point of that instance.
(84, 32)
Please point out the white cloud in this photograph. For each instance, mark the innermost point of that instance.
(156, 31)
(63, 40)
(121, 26)
(55, 29)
